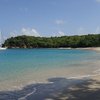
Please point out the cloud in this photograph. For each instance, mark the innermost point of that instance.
(98, 1)
(13, 34)
(60, 33)
(59, 22)
(30, 32)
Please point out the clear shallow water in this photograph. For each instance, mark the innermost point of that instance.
(18, 66)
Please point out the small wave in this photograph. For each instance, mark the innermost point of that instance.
(95, 73)
(24, 97)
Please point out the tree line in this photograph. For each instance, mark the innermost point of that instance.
(90, 40)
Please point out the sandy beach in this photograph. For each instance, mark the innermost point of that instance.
(86, 48)
(50, 50)
(81, 81)
(58, 88)
(90, 48)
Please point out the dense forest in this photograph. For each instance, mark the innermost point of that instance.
(90, 40)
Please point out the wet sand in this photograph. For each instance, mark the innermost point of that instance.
(58, 89)
(76, 83)
(42, 76)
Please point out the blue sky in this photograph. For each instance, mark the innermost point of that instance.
(49, 17)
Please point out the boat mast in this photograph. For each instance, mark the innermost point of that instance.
(1, 39)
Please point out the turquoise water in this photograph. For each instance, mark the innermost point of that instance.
(15, 63)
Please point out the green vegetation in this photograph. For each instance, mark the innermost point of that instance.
(91, 40)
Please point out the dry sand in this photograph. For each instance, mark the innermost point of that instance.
(86, 48)
(90, 48)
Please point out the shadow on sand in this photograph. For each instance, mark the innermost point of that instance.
(55, 89)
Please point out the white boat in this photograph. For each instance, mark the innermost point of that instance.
(1, 48)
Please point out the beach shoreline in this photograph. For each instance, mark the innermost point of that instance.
(87, 70)
(58, 88)
(90, 48)
(83, 48)
(42, 76)
(54, 81)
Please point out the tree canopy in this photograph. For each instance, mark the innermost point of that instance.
(90, 40)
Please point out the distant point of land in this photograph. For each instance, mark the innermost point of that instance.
(90, 40)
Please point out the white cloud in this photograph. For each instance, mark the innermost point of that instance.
(59, 22)
(5, 38)
(13, 34)
(98, 1)
(60, 33)
(30, 32)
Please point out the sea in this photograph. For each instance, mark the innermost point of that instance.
(21, 67)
